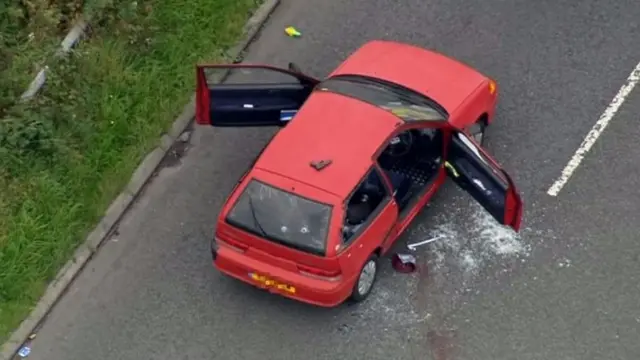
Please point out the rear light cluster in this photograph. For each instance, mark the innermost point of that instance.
(321, 274)
(233, 245)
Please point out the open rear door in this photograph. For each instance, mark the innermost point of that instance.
(249, 95)
(477, 173)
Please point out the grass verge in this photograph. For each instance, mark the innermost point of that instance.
(65, 155)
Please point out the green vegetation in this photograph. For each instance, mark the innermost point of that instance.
(67, 153)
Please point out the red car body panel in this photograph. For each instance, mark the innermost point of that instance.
(445, 80)
(329, 127)
(351, 134)
(308, 289)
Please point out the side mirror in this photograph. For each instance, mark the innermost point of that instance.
(295, 68)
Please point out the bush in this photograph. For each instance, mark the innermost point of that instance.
(27, 130)
(28, 28)
(69, 151)
(30, 134)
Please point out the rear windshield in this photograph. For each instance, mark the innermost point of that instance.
(282, 217)
(402, 102)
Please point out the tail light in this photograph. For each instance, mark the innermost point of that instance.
(233, 245)
(327, 275)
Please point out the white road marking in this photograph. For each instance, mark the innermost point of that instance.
(596, 131)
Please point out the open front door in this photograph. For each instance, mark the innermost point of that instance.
(477, 173)
(250, 95)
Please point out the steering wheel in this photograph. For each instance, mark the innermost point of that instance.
(400, 145)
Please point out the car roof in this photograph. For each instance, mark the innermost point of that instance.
(441, 78)
(329, 127)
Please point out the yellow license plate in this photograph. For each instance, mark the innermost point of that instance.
(272, 283)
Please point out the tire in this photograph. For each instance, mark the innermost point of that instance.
(478, 130)
(366, 280)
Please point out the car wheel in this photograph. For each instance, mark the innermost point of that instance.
(477, 131)
(366, 279)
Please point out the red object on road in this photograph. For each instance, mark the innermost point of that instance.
(404, 263)
(359, 154)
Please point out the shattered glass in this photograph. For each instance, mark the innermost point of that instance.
(283, 217)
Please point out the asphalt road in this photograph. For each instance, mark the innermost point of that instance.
(566, 288)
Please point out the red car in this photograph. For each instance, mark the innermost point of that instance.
(359, 154)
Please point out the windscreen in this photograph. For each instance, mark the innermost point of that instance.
(283, 217)
(403, 103)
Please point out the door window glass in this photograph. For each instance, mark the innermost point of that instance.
(248, 76)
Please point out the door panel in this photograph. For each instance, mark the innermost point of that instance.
(478, 174)
(251, 95)
(364, 243)
(370, 217)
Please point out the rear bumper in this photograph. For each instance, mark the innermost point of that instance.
(308, 290)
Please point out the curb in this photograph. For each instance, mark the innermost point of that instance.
(119, 206)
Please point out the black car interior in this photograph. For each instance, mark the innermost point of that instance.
(363, 203)
(237, 104)
(477, 178)
(411, 161)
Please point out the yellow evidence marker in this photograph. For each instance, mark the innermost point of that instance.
(291, 31)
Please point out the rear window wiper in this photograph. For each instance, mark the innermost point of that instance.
(255, 217)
